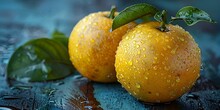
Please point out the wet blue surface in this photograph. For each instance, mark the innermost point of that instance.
(22, 20)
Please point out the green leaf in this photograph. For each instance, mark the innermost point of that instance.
(132, 13)
(192, 15)
(39, 60)
(60, 37)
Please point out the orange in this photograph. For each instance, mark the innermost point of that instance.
(92, 47)
(157, 66)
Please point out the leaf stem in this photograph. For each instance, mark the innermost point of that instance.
(112, 12)
(163, 23)
(174, 19)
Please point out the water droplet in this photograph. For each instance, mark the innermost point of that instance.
(126, 62)
(198, 75)
(146, 77)
(130, 63)
(88, 59)
(92, 40)
(59, 83)
(144, 56)
(177, 79)
(139, 52)
(187, 69)
(173, 51)
(128, 87)
(77, 45)
(168, 47)
(95, 23)
(166, 68)
(166, 40)
(168, 81)
(137, 46)
(157, 39)
(143, 49)
(201, 67)
(193, 96)
(134, 93)
(164, 48)
(32, 56)
(182, 39)
(155, 58)
(155, 67)
(138, 86)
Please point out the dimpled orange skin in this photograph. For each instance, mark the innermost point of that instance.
(157, 66)
(92, 47)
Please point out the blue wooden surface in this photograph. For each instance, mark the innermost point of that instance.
(22, 20)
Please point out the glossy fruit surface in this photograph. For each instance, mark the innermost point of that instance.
(157, 66)
(92, 46)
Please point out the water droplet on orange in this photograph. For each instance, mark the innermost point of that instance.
(166, 68)
(92, 40)
(182, 39)
(168, 47)
(77, 45)
(146, 77)
(138, 86)
(139, 52)
(164, 48)
(177, 79)
(130, 63)
(155, 67)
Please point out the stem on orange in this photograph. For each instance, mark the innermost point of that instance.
(163, 23)
(112, 12)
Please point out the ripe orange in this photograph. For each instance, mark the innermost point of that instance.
(157, 66)
(92, 46)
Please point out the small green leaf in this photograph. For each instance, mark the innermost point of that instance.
(192, 15)
(132, 13)
(60, 37)
(39, 60)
